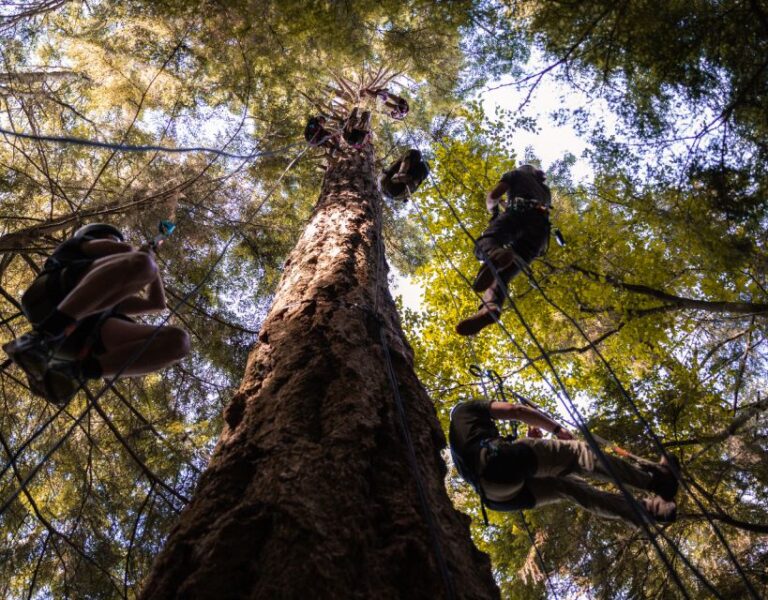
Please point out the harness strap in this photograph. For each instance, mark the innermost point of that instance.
(519, 203)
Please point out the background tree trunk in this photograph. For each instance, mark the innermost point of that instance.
(309, 492)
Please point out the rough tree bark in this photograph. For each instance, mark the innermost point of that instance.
(309, 492)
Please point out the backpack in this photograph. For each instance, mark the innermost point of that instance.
(520, 501)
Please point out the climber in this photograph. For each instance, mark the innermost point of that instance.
(532, 472)
(404, 176)
(318, 136)
(80, 307)
(357, 129)
(512, 240)
(397, 104)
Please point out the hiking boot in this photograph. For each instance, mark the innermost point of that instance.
(663, 480)
(502, 259)
(31, 352)
(487, 315)
(60, 382)
(662, 511)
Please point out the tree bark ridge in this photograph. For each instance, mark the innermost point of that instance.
(309, 493)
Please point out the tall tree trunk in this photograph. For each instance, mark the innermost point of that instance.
(309, 493)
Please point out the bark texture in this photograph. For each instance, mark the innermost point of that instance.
(309, 493)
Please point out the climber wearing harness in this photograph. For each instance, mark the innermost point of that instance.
(80, 307)
(318, 136)
(531, 472)
(404, 176)
(512, 239)
(357, 128)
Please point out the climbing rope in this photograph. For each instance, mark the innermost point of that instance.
(110, 384)
(406, 432)
(625, 393)
(576, 417)
(75, 141)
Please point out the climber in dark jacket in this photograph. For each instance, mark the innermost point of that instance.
(512, 240)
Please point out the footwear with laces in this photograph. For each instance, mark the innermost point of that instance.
(487, 315)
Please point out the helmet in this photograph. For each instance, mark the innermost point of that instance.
(98, 230)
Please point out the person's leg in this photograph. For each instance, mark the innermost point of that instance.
(501, 231)
(110, 280)
(123, 339)
(509, 243)
(350, 125)
(549, 490)
(402, 175)
(405, 164)
(563, 457)
(489, 248)
(497, 292)
(330, 143)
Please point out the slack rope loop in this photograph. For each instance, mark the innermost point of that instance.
(73, 141)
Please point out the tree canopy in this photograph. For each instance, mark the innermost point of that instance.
(664, 270)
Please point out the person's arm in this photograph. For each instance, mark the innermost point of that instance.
(98, 248)
(493, 197)
(394, 168)
(529, 416)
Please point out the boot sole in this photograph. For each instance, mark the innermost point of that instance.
(34, 369)
(474, 325)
